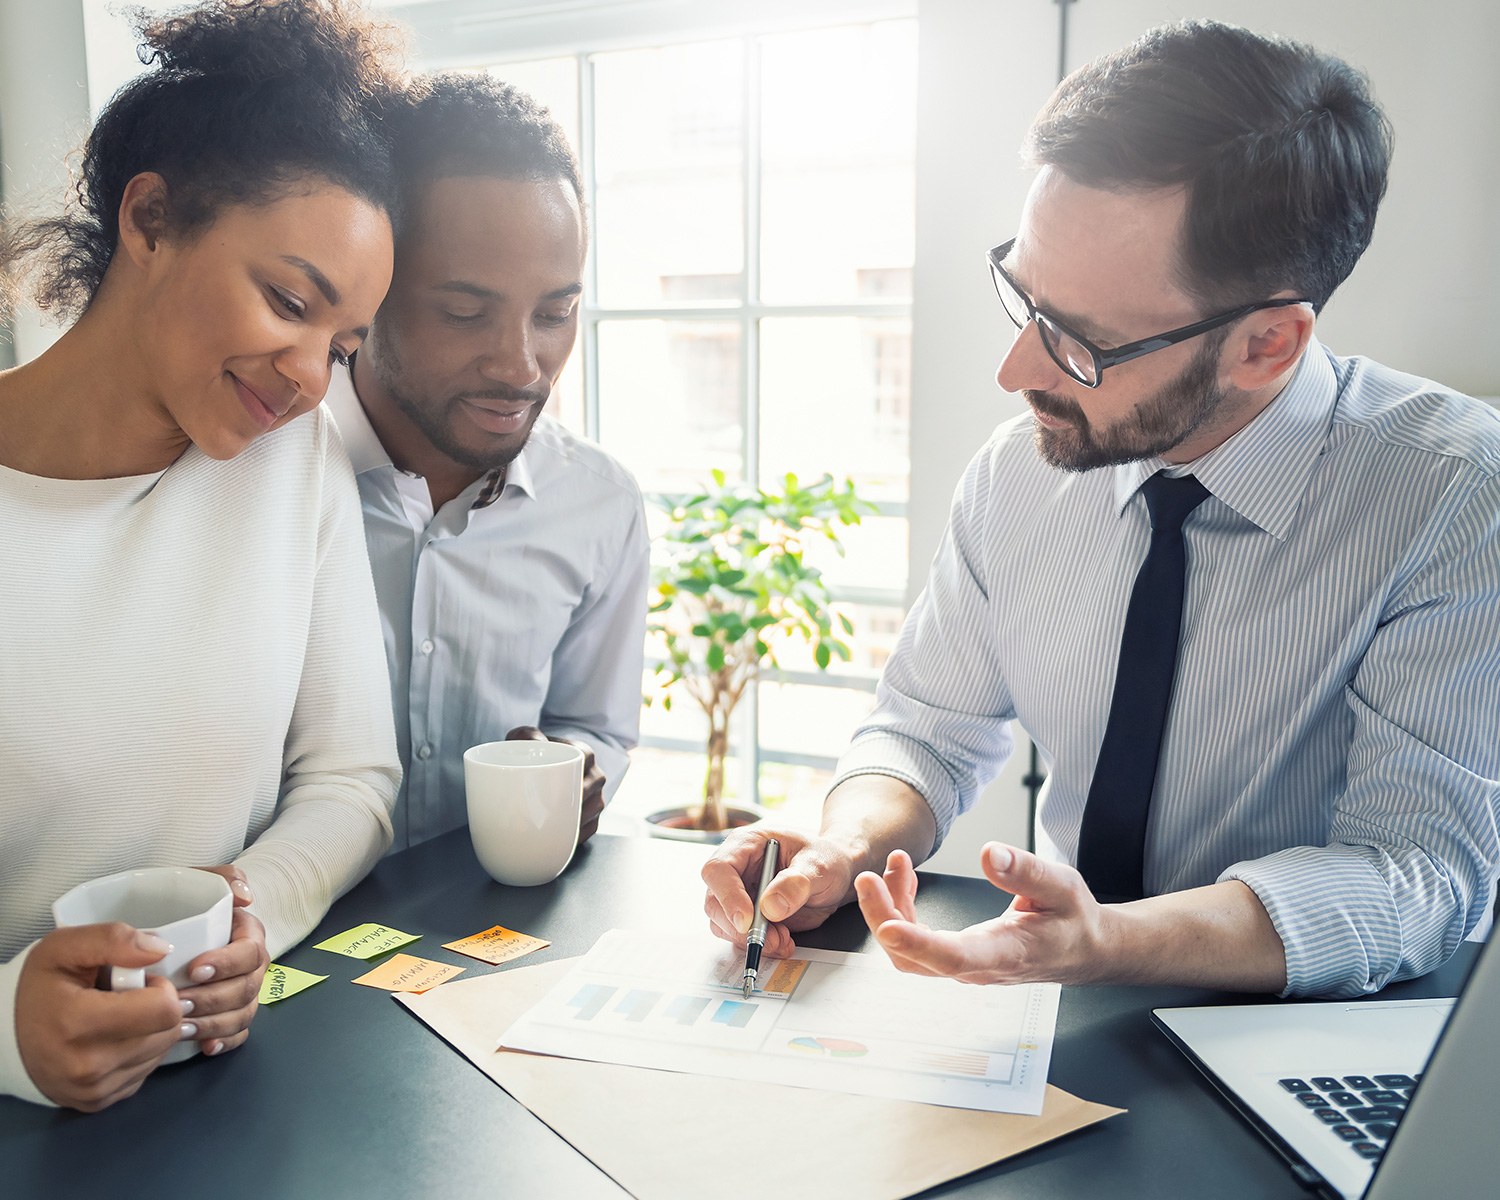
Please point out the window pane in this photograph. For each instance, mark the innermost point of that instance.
(835, 396)
(794, 793)
(876, 627)
(553, 83)
(806, 719)
(874, 556)
(838, 145)
(668, 175)
(669, 400)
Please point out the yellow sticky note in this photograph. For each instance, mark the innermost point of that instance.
(280, 982)
(407, 973)
(366, 941)
(496, 945)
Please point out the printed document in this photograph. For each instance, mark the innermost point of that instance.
(824, 1019)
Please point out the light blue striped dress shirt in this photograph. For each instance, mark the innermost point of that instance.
(1334, 737)
(530, 611)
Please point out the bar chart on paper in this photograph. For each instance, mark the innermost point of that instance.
(842, 1022)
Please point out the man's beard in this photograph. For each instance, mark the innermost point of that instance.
(1180, 408)
(437, 421)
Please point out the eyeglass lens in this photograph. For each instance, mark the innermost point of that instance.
(1064, 349)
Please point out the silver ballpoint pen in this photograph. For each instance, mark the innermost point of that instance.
(756, 939)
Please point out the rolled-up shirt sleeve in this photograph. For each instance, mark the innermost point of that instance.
(942, 709)
(1409, 867)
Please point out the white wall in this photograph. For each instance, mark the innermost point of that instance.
(1425, 298)
(44, 114)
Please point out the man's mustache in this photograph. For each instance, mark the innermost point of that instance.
(1059, 408)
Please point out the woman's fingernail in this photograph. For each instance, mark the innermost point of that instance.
(202, 974)
(151, 944)
(1001, 858)
(243, 888)
(188, 1032)
(216, 1048)
(187, 1006)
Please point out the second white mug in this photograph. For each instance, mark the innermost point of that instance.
(525, 802)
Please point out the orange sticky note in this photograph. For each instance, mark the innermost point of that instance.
(407, 973)
(496, 945)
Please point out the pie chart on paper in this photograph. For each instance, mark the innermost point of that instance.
(836, 1047)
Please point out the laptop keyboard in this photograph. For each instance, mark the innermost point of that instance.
(1360, 1110)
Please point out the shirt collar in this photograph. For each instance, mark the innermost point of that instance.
(360, 439)
(368, 453)
(1263, 470)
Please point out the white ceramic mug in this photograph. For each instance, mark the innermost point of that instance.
(189, 909)
(525, 804)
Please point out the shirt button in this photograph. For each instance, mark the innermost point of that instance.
(427, 646)
(425, 750)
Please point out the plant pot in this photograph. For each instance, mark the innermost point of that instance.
(672, 823)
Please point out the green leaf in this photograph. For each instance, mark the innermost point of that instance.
(734, 628)
(718, 476)
(698, 587)
(715, 657)
(666, 703)
(821, 656)
(846, 623)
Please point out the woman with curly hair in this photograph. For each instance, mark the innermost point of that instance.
(191, 670)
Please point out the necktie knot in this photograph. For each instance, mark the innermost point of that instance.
(1169, 501)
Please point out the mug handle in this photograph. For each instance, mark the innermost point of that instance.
(120, 979)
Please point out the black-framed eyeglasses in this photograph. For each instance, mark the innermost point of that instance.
(1078, 357)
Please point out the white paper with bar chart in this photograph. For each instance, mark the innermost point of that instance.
(824, 1019)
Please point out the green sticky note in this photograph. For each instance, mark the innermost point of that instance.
(366, 941)
(280, 982)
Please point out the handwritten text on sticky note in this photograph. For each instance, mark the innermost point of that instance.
(366, 941)
(407, 973)
(496, 945)
(280, 982)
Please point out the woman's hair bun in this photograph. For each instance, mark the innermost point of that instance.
(243, 97)
(259, 40)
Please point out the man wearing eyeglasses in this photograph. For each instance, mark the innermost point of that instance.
(1244, 594)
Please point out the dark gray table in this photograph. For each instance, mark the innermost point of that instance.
(340, 1092)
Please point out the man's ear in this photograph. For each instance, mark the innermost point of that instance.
(1269, 345)
(143, 216)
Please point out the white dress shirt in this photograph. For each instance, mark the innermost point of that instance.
(1334, 735)
(530, 610)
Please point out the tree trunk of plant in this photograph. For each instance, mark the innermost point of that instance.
(714, 816)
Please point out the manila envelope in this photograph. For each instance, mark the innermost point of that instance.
(642, 1128)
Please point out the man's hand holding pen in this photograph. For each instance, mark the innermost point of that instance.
(817, 876)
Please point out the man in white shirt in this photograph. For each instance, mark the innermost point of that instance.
(1244, 594)
(510, 556)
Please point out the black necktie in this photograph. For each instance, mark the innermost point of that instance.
(1112, 842)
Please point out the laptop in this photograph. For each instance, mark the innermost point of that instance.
(1370, 1099)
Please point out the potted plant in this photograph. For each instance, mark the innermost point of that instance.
(730, 584)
